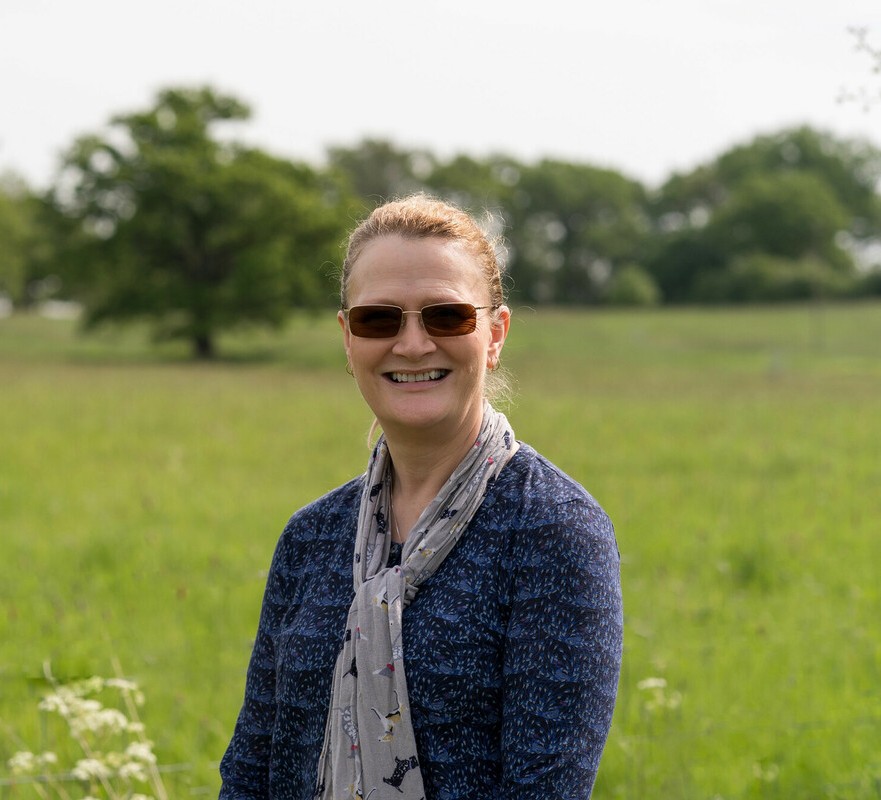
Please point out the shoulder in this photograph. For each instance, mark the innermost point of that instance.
(330, 508)
(323, 524)
(550, 517)
(561, 544)
(539, 492)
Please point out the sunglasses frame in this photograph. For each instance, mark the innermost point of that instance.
(427, 327)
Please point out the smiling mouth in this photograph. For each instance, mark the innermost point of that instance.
(418, 377)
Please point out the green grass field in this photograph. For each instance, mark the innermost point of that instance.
(737, 451)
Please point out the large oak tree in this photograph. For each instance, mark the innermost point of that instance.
(176, 225)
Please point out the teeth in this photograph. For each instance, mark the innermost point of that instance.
(416, 377)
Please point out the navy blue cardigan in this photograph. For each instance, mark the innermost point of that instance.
(512, 648)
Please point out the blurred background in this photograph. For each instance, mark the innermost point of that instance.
(688, 197)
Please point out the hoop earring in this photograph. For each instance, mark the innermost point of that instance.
(349, 369)
(493, 365)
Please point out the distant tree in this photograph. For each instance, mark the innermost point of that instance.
(850, 168)
(16, 235)
(761, 278)
(487, 183)
(795, 200)
(680, 259)
(379, 170)
(790, 215)
(30, 232)
(176, 226)
(572, 226)
(800, 195)
(631, 285)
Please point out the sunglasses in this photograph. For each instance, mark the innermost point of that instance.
(440, 319)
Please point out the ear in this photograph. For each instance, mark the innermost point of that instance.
(498, 333)
(347, 336)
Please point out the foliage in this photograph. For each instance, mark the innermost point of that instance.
(28, 232)
(868, 284)
(789, 215)
(379, 171)
(760, 278)
(115, 757)
(799, 195)
(199, 235)
(14, 233)
(849, 168)
(162, 218)
(631, 285)
(571, 227)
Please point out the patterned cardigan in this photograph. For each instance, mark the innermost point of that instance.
(512, 648)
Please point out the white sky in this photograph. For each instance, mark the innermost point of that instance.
(643, 86)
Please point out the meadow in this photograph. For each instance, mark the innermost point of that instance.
(738, 453)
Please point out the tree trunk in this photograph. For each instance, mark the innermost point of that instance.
(203, 346)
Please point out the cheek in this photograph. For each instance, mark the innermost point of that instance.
(478, 358)
(357, 353)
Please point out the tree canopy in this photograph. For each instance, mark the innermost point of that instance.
(803, 198)
(197, 235)
(162, 216)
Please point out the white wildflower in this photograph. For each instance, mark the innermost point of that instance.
(669, 701)
(77, 711)
(141, 751)
(57, 702)
(25, 762)
(660, 699)
(91, 685)
(22, 763)
(88, 720)
(99, 721)
(132, 771)
(127, 687)
(68, 704)
(122, 684)
(651, 683)
(88, 768)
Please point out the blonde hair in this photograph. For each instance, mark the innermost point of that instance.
(420, 216)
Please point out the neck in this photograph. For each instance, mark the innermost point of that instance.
(427, 463)
(421, 467)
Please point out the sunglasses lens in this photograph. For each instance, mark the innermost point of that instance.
(384, 322)
(450, 319)
(375, 322)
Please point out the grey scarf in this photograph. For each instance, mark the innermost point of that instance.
(369, 747)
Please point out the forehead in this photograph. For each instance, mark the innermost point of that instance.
(393, 268)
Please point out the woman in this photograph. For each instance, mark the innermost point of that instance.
(447, 625)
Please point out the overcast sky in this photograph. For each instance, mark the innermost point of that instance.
(644, 86)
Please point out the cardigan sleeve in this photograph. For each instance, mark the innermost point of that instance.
(562, 653)
(245, 765)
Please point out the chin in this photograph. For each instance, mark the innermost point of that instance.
(426, 416)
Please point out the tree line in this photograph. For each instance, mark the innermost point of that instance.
(165, 216)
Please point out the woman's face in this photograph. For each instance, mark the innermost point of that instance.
(447, 396)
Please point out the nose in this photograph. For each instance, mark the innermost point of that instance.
(412, 340)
